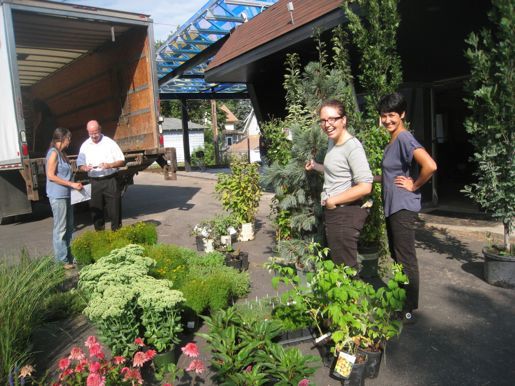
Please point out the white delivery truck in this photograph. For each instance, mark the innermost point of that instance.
(62, 65)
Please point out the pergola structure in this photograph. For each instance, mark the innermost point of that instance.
(182, 59)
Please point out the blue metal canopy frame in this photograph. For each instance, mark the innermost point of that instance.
(182, 59)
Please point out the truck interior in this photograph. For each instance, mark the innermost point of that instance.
(72, 70)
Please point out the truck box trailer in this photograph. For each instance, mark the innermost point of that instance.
(62, 65)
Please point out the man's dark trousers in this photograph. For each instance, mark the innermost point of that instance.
(105, 193)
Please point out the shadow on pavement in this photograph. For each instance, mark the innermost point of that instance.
(472, 345)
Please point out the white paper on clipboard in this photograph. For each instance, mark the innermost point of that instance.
(81, 195)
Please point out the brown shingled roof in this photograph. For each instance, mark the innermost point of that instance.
(269, 25)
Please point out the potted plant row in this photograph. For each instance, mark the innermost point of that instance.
(348, 312)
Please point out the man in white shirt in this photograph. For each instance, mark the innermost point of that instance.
(101, 157)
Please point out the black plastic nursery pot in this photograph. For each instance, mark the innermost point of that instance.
(499, 270)
(238, 261)
(357, 373)
(368, 257)
(164, 358)
(373, 363)
(326, 355)
(290, 338)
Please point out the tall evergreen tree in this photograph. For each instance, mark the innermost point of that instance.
(297, 192)
(491, 100)
(374, 34)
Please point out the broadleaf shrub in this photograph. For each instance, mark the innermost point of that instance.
(92, 245)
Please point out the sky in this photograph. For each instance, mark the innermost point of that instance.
(167, 14)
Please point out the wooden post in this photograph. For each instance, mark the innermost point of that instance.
(214, 126)
(185, 136)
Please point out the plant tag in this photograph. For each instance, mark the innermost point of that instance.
(322, 338)
(190, 325)
(344, 364)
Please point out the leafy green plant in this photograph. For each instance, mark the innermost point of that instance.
(125, 302)
(293, 316)
(491, 100)
(92, 245)
(61, 305)
(240, 346)
(205, 281)
(286, 366)
(276, 142)
(216, 227)
(239, 191)
(24, 286)
(171, 262)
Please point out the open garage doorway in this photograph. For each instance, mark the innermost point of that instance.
(452, 147)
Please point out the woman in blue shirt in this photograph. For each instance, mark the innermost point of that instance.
(401, 191)
(58, 188)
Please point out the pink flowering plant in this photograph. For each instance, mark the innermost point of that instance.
(171, 372)
(91, 367)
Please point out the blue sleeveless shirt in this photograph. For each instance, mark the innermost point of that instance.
(64, 171)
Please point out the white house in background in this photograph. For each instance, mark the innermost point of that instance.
(248, 143)
(172, 135)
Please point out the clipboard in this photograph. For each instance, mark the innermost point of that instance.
(80, 195)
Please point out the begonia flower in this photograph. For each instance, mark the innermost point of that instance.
(139, 342)
(196, 365)
(95, 379)
(76, 354)
(91, 340)
(139, 359)
(150, 354)
(95, 350)
(191, 350)
(64, 363)
(94, 367)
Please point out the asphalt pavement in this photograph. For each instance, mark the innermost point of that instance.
(464, 333)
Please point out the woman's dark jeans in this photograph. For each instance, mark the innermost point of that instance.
(400, 228)
(343, 225)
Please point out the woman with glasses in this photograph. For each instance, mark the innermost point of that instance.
(58, 188)
(401, 184)
(347, 180)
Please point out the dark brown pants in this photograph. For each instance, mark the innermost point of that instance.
(343, 225)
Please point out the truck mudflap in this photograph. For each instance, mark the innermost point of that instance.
(14, 195)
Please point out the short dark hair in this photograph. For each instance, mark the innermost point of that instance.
(333, 103)
(393, 102)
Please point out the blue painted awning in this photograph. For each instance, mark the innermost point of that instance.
(182, 59)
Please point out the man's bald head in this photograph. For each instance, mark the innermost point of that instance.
(94, 131)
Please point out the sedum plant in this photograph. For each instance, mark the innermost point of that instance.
(491, 100)
(125, 302)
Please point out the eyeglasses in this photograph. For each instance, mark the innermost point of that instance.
(330, 120)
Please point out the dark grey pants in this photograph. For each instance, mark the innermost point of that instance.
(400, 228)
(343, 225)
(105, 193)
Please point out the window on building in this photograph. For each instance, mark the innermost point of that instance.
(228, 141)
